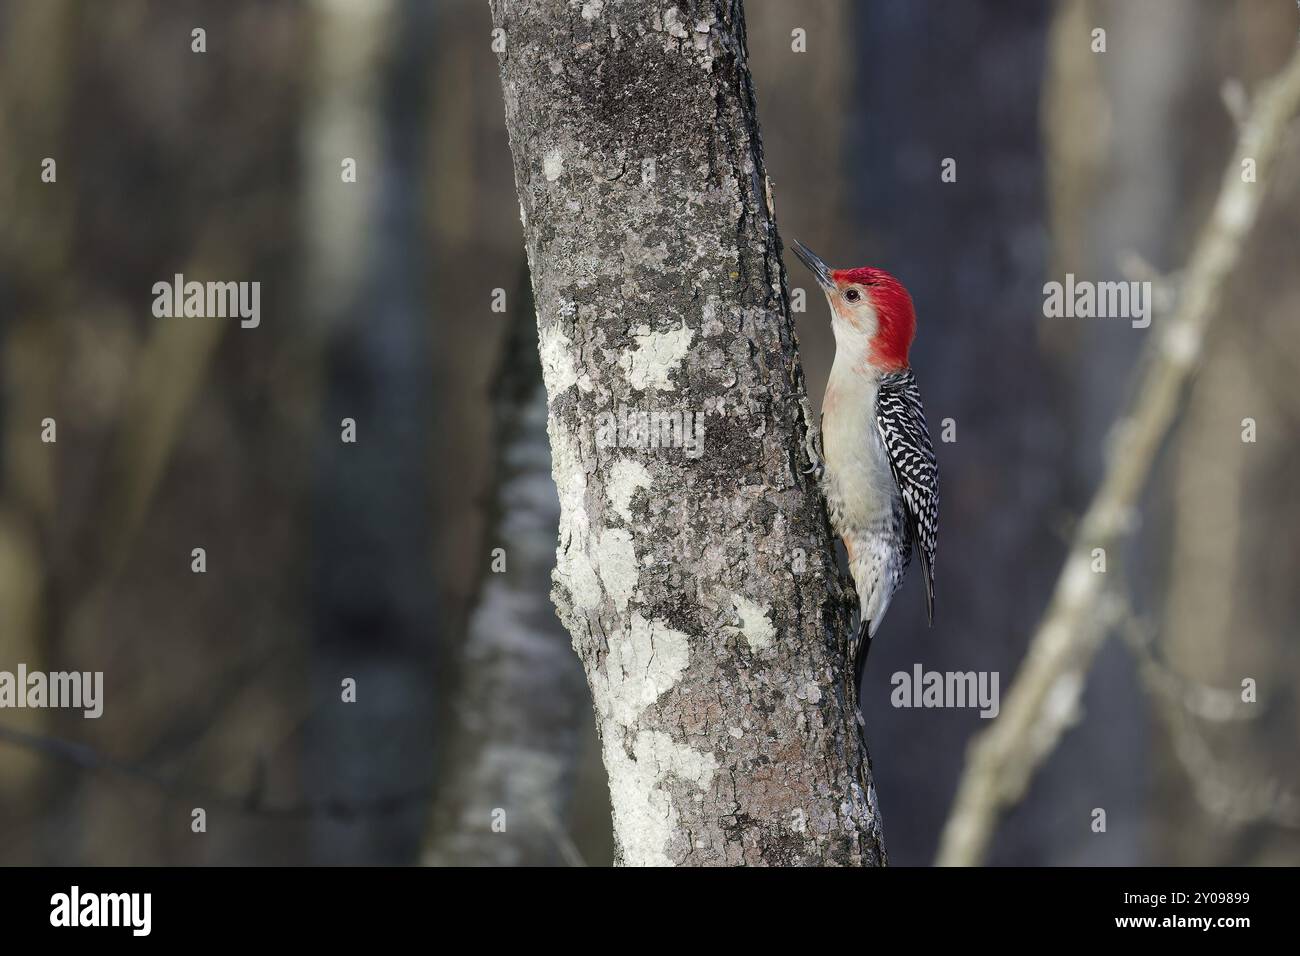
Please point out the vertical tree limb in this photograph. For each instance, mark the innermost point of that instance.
(374, 616)
(698, 582)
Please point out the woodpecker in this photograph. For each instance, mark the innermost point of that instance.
(880, 476)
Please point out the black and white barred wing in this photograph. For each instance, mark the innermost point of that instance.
(901, 420)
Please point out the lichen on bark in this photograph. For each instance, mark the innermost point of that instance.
(701, 591)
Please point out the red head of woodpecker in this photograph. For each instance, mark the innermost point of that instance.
(871, 314)
(880, 475)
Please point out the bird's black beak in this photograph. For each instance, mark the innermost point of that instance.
(814, 262)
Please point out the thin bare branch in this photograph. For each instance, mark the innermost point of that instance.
(1199, 700)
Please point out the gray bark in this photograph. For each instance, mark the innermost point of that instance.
(700, 589)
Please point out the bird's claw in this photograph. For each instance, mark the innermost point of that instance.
(816, 467)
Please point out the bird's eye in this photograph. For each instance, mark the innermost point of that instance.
(853, 295)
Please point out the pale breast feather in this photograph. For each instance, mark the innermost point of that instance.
(901, 420)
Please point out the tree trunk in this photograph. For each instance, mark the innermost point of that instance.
(697, 581)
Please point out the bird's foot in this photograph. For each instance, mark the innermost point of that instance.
(816, 467)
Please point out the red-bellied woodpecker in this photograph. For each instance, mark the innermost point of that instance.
(880, 475)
